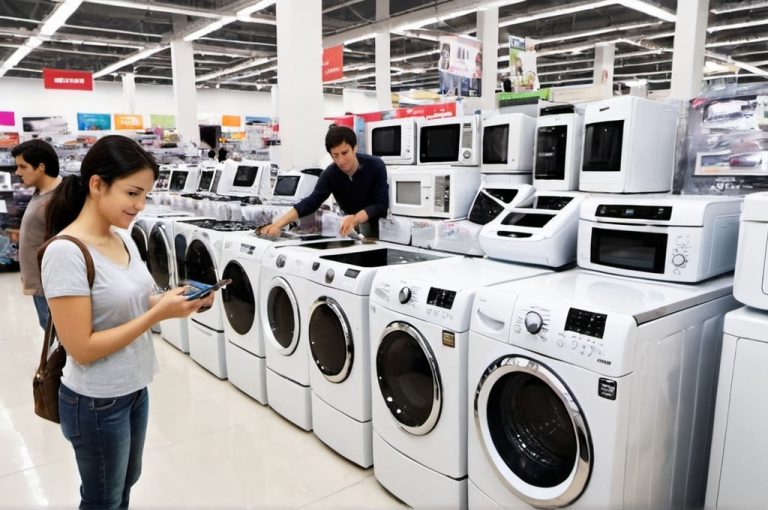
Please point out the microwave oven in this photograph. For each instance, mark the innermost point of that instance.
(750, 281)
(449, 141)
(557, 153)
(163, 181)
(393, 140)
(508, 143)
(292, 186)
(629, 146)
(245, 178)
(433, 192)
(184, 179)
(676, 238)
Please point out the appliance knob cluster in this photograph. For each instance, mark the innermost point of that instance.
(329, 276)
(280, 262)
(533, 322)
(404, 295)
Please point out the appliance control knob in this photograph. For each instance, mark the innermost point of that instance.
(329, 276)
(404, 295)
(280, 262)
(315, 265)
(533, 322)
(678, 260)
(467, 154)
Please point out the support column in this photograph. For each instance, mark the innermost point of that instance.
(299, 78)
(185, 90)
(688, 55)
(383, 71)
(129, 92)
(488, 33)
(602, 76)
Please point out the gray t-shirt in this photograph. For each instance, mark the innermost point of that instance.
(31, 237)
(119, 295)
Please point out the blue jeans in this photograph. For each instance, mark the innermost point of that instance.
(108, 437)
(41, 305)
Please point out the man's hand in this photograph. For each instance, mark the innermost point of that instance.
(271, 230)
(348, 225)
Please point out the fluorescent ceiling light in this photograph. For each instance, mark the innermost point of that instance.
(361, 38)
(59, 16)
(211, 27)
(734, 26)
(247, 65)
(256, 7)
(20, 53)
(736, 42)
(415, 55)
(590, 33)
(147, 6)
(742, 6)
(639, 82)
(649, 9)
(517, 20)
(130, 60)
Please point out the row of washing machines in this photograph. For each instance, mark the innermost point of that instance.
(463, 381)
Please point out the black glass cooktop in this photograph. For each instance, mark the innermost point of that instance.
(221, 225)
(381, 257)
(330, 245)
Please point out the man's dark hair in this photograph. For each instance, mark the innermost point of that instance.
(338, 135)
(37, 151)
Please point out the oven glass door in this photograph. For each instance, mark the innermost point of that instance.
(551, 144)
(634, 250)
(602, 146)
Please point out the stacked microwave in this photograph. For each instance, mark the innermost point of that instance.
(558, 151)
(449, 141)
(629, 146)
(245, 178)
(436, 192)
(508, 143)
(393, 140)
(292, 186)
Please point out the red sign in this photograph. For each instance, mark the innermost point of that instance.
(66, 79)
(344, 120)
(333, 63)
(428, 111)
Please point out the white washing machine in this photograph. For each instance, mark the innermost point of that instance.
(419, 321)
(241, 260)
(201, 242)
(738, 466)
(145, 220)
(590, 391)
(339, 347)
(282, 310)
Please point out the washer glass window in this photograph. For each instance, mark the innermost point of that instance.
(199, 263)
(280, 313)
(140, 239)
(159, 259)
(330, 339)
(238, 299)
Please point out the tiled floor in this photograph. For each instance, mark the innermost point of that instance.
(208, 444)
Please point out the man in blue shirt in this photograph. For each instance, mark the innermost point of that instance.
(358, 182)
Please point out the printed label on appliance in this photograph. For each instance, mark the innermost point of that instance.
(606, 388)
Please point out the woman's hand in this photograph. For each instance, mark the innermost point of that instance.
(174, 304)
(206, 302)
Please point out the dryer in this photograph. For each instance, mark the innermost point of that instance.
(200, 241)
(738, 468)
(282, 310)
(593, 391)
(337, 336)
(241, 260)
(419, 321)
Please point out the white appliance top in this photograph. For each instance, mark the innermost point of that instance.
(755, 207)
(442, 291)
(645, 301)
(748, 323)
(668, 210)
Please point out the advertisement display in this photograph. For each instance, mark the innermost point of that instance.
(333, 63)
(45, 125)
(93, 122)
(162, 121)
(460, 65)
(230, 121)
(9, 139)
(67, 79)
(7, 119)
(126, 122)
(522, 64)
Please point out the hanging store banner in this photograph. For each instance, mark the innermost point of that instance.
(522, 64)
(67, 79)
(460, 65)
(126, 122)
(93, 122)
(7, 119)
(230, 121)
(333, 63)
(428, 111)
(162, 121)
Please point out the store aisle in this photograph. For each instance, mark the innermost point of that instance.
(208, 444)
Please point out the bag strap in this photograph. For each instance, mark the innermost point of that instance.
(90, 272)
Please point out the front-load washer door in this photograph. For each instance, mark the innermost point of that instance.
(330, 339)
(199, 263)
(140, 239)
(282, 317)
(409, 378)
(160, 258)
(238, 298)
(533, 432)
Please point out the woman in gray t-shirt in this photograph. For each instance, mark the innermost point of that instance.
(103, 402)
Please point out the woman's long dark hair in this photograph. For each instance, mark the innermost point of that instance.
(111, 157)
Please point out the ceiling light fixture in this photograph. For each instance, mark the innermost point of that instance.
(211, 27)
(734, 26)
(361, 38)
(235, 69)
(742, 6)
(146, 6)
(20, 53)
(256, 7)
(130, 60)
(59, 16)
(649, 9)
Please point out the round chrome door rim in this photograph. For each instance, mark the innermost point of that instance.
(569, 490)
(437, 388)
(349, 347)
(285, 351)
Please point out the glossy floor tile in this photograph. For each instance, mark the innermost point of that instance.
(208, 444)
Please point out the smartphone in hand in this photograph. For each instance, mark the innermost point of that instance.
(198, 290)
